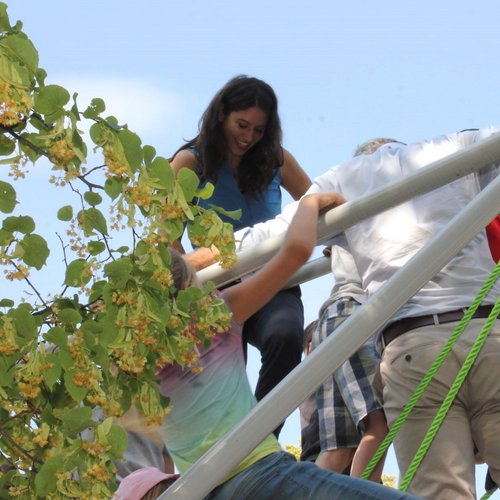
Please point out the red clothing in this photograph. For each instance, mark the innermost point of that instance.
(493, 233)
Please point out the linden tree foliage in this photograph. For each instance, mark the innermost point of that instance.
(73, 361)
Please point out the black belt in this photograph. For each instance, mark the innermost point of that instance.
(394, 330)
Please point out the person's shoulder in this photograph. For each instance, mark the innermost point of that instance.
(293, 177)
(286, 155)
(462, 138)
(184, 158)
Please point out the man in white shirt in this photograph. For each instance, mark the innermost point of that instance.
(416, 334)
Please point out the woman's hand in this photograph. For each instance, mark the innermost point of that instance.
(326, 201)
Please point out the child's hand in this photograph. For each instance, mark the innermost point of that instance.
(327, 201)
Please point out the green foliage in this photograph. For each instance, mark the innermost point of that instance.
(73, 361)
(7, 197)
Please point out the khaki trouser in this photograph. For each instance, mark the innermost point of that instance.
(448, 469)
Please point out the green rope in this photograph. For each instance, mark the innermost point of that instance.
(448, 400)
(430, 374)
(488, 494)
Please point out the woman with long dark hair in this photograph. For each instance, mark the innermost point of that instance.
(238, 149)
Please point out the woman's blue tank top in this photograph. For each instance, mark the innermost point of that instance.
(259, 208)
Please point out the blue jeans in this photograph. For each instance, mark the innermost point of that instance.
(279, 476)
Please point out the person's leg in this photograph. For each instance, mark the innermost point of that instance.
(279, 476)
(277, 331)
(374, 432)
(337, 431)
(448, 468)
(483, 396)
(336, 460)
(339, 436)
(355, 380)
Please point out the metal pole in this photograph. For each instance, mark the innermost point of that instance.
(310, 271)
(221, 459)
(337, 220)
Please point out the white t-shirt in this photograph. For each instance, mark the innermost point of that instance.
(382, 244)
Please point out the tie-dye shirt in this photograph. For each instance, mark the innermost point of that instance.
(206, 405)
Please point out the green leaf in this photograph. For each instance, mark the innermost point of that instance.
(12, 71)
(45, 479)
(92, 198)
(65, 359)
(4, 18)
(25, 323)
(189, 182)
(35, 139)
(7, 370)
(132, 147)
(187, 297)
(36, 250)
(23, 50)
(101, 356)
(96, 290)
(41, 75)
(96, 247)
(103, 428)
(232, 214)
(51, 374)
(162, 173)
(5, 237)
(149, 153)
(51, 100)
(71, 316)
(7, 146)
(98, 133)
(77, 273)
(109, 332)
(118, 272)
(5, 480)
(112, 123)
(113, 187)
(7, 198)
(122, 249)
(174, 228)
(206, 192)
(95, 108)
(91, 219)
(57, 336)
(91, 331)
(117, 438)
(23, 224)
(77, 393)
(6, 303)
(75, 420)
(65, 213)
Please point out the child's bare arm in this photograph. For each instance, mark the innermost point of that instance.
(249, 296)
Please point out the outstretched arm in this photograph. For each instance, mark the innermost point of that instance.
(249, 296)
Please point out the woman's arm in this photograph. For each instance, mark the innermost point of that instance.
(251, 294)
(183, 158)
(293, 177)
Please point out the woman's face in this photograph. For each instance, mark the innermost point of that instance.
(243, 129)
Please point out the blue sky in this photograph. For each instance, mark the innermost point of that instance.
(343, 71)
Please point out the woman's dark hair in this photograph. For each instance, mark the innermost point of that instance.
(258, 166)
